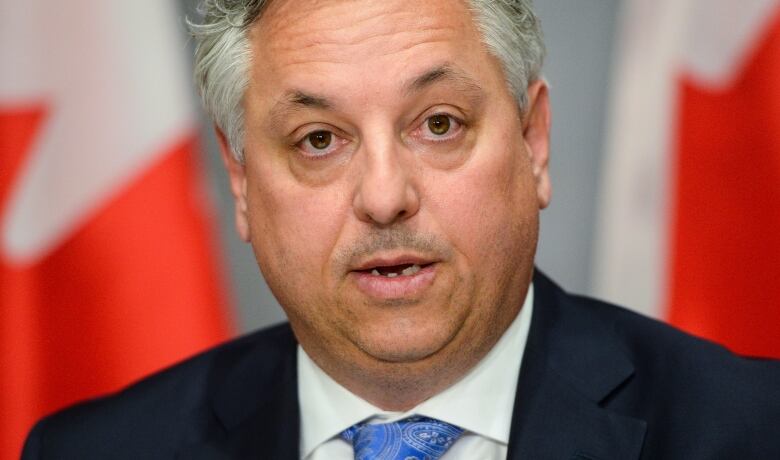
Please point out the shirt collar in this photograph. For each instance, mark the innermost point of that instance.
(481, 402)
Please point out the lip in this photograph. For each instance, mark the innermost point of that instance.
(402, 286)
(393, 261)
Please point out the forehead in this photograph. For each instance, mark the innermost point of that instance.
(309, 43)
(350, 26)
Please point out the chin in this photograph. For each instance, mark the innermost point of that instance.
(406, 345)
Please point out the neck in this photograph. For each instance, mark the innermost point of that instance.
(399, 387)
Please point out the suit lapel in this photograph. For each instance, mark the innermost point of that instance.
(571, 366)
(256, 404)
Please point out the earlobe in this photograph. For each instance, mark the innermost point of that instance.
(536, 133)
(238, 185)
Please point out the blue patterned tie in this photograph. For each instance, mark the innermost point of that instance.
(413, 438)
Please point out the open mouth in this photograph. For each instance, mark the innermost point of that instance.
(403, 277)
(394, 271)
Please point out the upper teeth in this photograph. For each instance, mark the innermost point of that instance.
(408, 271)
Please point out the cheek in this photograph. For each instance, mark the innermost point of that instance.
(488, 210)
(294, 229)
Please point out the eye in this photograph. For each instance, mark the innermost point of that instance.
(320, 140)
(439, 124)
(319, 143)
(440, 127)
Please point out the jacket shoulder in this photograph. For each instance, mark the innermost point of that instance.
(651, 342)
(691, 388)
(144, 420)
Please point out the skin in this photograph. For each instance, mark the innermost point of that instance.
(387, 187)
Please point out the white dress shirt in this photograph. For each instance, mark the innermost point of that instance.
(481, 403)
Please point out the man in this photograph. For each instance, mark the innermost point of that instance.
(388, 161)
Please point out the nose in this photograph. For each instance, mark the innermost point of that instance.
(386, 192)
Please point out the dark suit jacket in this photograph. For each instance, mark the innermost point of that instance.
(597, 382)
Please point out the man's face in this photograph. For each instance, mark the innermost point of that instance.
(391, 185)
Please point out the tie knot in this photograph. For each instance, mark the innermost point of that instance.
(413, 438)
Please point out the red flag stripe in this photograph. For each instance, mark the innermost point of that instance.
(135, 289)
(725, 239)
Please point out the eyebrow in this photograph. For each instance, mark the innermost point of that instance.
(444, 72)
(294, 100)
(299, 98)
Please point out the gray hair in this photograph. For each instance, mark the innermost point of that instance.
(510, 29)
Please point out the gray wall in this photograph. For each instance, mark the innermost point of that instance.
(579, 36)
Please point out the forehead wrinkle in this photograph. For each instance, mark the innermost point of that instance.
(346, 56)
(376, 31)
(335, 51)
(372, 23)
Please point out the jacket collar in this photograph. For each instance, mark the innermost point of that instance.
(573, 363)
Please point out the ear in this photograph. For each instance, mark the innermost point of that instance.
(238, 185)
(536, 132)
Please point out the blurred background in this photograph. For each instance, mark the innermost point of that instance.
(118, 253)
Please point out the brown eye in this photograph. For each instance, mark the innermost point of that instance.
(320, 140)
(439, 124)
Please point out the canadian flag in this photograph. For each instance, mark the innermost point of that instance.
(107, 264)
(690, 224)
